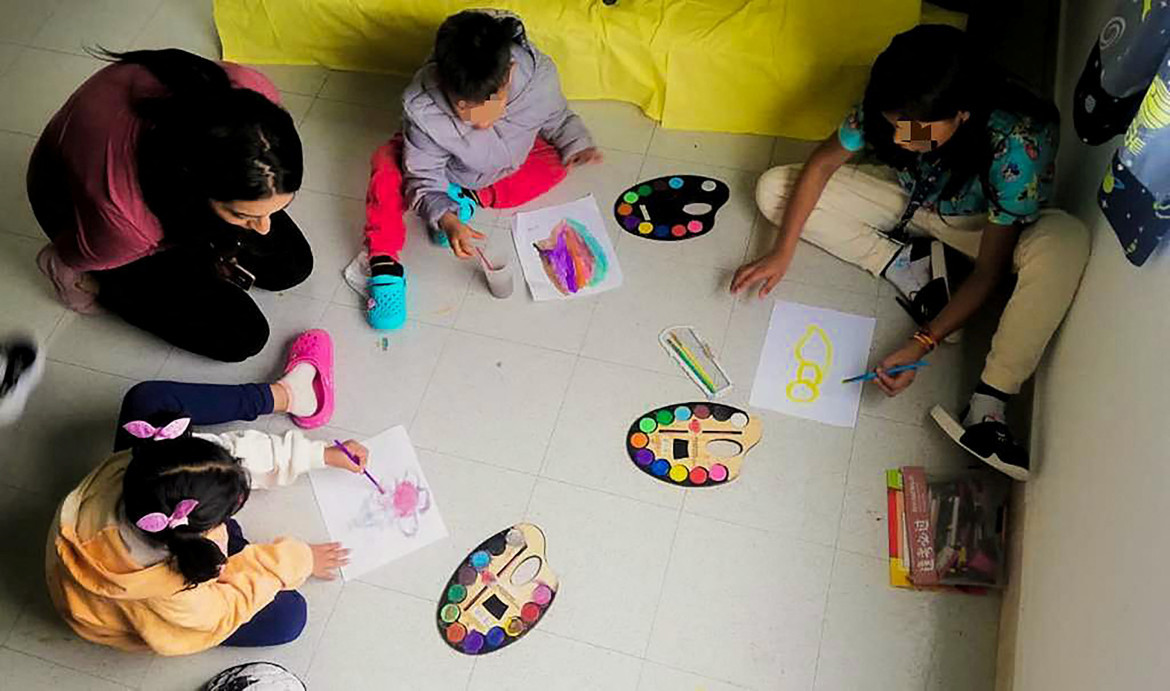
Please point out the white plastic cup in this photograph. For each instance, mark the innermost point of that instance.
(500, 281)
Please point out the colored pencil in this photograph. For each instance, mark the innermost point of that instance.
(486, 264)
(691, 362)
(870, 376)
(358, 463)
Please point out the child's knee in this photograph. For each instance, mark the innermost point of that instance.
(291, 617)
(772, 190)
(1061, 243)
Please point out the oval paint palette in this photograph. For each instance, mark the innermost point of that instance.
(675, 207)
(698, 444)
(498, 593)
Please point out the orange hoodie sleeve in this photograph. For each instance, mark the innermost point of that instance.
(203, 617)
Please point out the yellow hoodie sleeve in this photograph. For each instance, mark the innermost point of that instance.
(203, 617)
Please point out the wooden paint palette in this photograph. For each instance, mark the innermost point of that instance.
(692, 444)
(499, 592)
(675, 207)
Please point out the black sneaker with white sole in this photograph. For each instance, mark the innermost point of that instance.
(924, 304)
(990, 441)
(21, 367)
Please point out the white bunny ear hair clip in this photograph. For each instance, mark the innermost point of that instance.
(145, 430)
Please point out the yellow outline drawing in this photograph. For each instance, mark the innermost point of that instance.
(813, 385)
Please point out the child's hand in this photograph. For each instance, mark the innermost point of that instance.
(767, 271)
(336, 458)
(460, 235)
(590, 155)
(896, 384)
(327, 558)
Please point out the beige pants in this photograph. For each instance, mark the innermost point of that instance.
(859, 203)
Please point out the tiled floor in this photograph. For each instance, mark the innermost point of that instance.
(775, 582)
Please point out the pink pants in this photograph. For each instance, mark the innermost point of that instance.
(385, 230)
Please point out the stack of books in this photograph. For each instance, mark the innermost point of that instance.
(947, 533)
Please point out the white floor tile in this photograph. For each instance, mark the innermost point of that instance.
(288, 315)
(555, 324)
(742, 605)
(41, 632)
(106, 343)
(333, 226)
(792, 151)
(477, 501)
(724, 246)
(377, 634)
(339, 139)
(74, 409)
(493, 401)
(880, 445)
(655, 295)
(813, 265)
(30, 305)
(616, 124)
(27, 672)
(875, 637)
(23, 19)
(45, 79)
(610, 554)
(297, 105)
(965, 642)
(378, 389)
(17, 215)
(588, 445)
(551, 663)
(182, 24)
(742, 151)
(365, 89)
(26, 516)
(657, 677)
(78, 24)
(295, 79)
(792, 483)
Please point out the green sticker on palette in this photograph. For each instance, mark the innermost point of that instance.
(665, 417)
(647, 425)
(630, 197)
(456, 593)
(644, 191)
(449, 613)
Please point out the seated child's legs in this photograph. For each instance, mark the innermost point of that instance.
(205, 404)
(539, 173)
(281, 621)
(1048, 260)
(385, 230)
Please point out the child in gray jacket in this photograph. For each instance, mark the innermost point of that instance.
(484, 124)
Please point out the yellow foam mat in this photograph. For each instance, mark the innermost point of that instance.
(776, 67)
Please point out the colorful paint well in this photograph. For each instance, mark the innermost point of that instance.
(696, 444)
(509, 588)
(677, 207)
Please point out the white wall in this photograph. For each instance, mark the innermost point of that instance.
(1095, 580)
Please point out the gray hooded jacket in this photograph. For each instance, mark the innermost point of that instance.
(441, 149)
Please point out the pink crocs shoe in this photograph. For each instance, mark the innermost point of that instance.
(316, 348)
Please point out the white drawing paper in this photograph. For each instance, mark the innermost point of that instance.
(806, 354)
(544, 227)
(379, 528)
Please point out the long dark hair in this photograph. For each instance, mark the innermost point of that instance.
(931, 73)
(473, 53)
(163, 473)
(206, 139)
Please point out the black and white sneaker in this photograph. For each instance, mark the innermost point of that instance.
(21, 367)
(926, 302)
(990, 441)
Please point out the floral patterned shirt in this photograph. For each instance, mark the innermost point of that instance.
(1021, 174)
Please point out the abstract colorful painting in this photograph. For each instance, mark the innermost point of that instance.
(565, 251)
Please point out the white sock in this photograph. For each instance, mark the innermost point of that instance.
(983, 407)
(908, 274)
(298, 383)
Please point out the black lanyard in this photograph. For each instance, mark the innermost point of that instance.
(923, 185)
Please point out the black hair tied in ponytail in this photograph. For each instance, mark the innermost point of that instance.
(164, 473)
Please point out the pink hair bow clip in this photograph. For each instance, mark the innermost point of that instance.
(145, 430)
(157, 521)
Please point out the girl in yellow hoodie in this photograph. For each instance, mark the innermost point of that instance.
(144, 554)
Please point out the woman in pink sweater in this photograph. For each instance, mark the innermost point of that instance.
(162, 184)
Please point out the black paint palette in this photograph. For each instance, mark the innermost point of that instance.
(498, 593)
(696, 444)
(675, 207)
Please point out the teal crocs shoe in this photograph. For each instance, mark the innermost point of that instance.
(386, 309)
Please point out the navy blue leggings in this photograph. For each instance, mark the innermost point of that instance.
(283, 619)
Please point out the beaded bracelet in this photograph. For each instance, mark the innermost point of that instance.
(926, 338)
